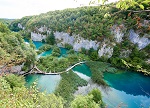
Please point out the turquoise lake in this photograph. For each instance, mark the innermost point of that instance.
(38, 44)
(46, 83)
(127, 89)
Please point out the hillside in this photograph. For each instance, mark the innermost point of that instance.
(120, 37)
(13, 51)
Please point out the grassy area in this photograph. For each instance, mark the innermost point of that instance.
(55, 64)
(68, 84)
(97, 69)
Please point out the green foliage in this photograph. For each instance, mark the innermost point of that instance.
(44, 48)
(94, 55)
(68, 84)
(54, 64)
(31, 44)
(13, 50)
(97, 69)
(56, 51)
(89, 22)
(6, 21)
(68, 46)
(50, 39)
(96, 72)
(21, 97)
(3, 28)
(97, 97)
(71, 51)
(134, 4)
(84, 102)
(14, 80)
(135, 61)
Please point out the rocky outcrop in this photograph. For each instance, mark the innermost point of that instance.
(76, 41)
(142, 42)
(105, 50)
(20, 26)
(37, 36)
(117, 32)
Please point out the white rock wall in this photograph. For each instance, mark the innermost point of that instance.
(37, 36)
(105, 50)
(76, 41)
(136, 39)
(117, 32)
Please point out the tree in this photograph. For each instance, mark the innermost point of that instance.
(94, 55)
(84, 102)
(3, 28)
(21, 97)
(51, 38)
(97, 97)
(15, 81)
(31, 44)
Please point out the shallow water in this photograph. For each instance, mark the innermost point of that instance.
(84, 69)
(127, 90)
(46, 83)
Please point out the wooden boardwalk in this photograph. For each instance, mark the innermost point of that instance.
(38, 71)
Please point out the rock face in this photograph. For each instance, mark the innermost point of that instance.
(20, 26)
(117, 32)
(105, 50)
(142, 42)
(76, 41)
(37, 36)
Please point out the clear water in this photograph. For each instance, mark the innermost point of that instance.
(84, 69)
(46, 83)
(128, 89)
(37, 44)
(63, 52)
(46, 53)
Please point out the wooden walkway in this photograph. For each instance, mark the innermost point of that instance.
(38, 71)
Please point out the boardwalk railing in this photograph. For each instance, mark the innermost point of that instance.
(56, 73)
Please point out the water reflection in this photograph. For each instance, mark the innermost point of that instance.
(129, 82)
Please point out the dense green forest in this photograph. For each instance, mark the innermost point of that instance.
(14, 94)
(6, 21)
(92, 23)
(13, 50)
(96, 23)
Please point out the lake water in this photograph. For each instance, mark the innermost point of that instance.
(83, 71)
(38, 44)
(46, 83)
(127, 90)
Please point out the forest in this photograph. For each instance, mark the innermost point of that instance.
(96, 23)
(91, 23)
